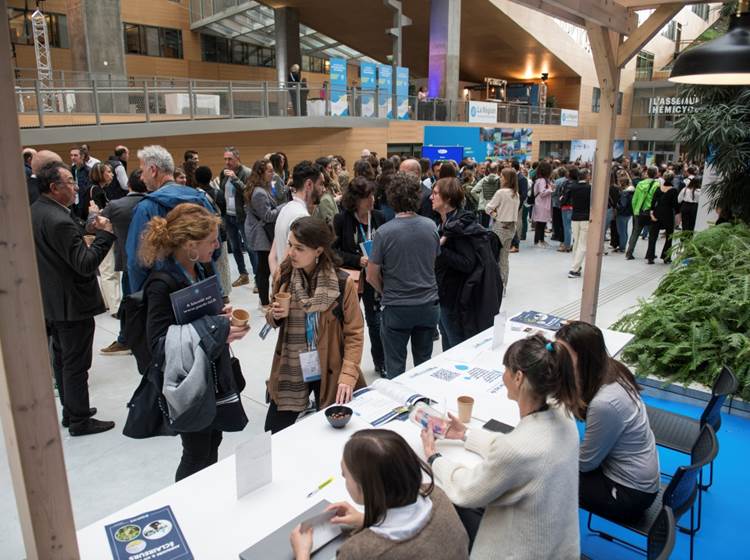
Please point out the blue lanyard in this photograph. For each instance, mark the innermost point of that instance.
(311, 330)
(198, 270)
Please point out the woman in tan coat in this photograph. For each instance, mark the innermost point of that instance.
(321, 336)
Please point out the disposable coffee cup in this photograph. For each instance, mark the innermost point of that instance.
(89, 239)
(465, 405)
(284, 299)
(240, 317)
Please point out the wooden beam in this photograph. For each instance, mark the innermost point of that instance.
(551, 10)
(646, 31)
(606, 13)
(27, 403)
(604, 47)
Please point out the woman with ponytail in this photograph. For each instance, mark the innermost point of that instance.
(521, 501)
(176, 248)
(618, 460)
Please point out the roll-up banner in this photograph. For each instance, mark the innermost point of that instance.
(368, 82)
(402, 92)
(385, 88)
(339, 99)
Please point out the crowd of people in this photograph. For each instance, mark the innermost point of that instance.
(423, 247)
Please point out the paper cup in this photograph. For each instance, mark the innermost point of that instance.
(240, 317)
(89, 239)
(465, 405)
(284, 299)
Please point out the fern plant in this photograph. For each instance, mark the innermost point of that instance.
(698, 319)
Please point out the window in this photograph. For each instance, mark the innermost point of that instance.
(22, 34)
(596, 101)
(152, 41)
(314, 64)
(670, 30)
(644, 66)
(227, 51)
(701, 10)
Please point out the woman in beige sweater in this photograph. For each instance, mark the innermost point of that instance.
(528, 480)
(403, 519)
(504, 210)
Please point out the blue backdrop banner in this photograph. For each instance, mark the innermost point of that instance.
(402, 91)
(385, 87)
(368, 82)
(337, 86)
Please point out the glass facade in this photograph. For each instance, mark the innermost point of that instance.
(644, 66)
(152, 41)
(596, 101)
(22, 34)
(229, 51)
(657, 107)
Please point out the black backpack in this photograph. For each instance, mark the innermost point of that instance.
(134, 310)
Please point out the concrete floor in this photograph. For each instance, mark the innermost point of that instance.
(108, 471)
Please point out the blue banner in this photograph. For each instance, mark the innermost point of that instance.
(482, 143)
(385, 89)
(339, 99)
(368, 82)
(402, 92)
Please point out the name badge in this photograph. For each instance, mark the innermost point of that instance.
(310, 365)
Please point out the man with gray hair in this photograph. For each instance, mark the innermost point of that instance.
(157, 172)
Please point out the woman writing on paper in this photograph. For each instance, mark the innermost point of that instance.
(619, 463)
(527, 483)
(404, 519)
(319, 347)
(354, 228)
(181, 242)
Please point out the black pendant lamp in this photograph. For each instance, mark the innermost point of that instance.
(725, 61)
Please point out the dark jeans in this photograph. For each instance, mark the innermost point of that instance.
(639, 222)
(277, 420)
(199, 450)
(451, 331)
(614, 234)
(71, 360)
(622, 230)
(539, 232)
(401, 323)
(372, 318)
(557, 225)
(235, 238)
(602, 496)
(484, 219)
(689, 212)
(653, 237)
(262, 276)
(125, 293)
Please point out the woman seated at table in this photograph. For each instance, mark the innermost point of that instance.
(618, 460)
(404, 519)
(319, 347)
(527, 482)
(181, 242)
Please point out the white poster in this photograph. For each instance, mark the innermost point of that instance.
(482, 112)
(568, 117)
(582, 150)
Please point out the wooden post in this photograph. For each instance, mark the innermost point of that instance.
(27, 403)
(604, 49)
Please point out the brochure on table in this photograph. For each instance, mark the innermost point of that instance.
(151, 535)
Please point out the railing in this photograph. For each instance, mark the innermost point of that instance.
(79, 102)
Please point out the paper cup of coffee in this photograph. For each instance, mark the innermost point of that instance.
(240, 317)
(465, 405)
(89, 239)
(283, 299)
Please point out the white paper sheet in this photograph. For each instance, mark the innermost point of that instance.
(253, 464)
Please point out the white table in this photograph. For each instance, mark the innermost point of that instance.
(217, 526)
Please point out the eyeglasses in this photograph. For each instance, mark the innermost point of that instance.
(70, 181)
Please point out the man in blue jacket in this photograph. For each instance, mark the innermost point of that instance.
(157, 167)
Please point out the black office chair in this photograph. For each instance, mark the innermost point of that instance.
(661, 536)
(679, 495)
(678, 432)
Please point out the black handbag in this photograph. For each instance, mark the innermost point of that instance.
(239, 378)
(147, 412)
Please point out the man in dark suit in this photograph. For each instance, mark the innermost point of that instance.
(70, 291)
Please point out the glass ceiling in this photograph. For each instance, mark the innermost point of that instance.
(251, 22)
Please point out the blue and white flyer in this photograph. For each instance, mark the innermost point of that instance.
(151, 535)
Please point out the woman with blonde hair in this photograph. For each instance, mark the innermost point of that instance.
(181, 244)
(504, 209)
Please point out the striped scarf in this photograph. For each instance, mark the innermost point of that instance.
(293, 393)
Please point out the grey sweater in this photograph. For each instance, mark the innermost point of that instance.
(618, 438)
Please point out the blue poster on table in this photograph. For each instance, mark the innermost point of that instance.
(368, 81)
(151, 535)
(339, 99)
(385, 90)
(402, 92)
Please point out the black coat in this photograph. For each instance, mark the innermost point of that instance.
(479, 293)
(67, 266)
(346, 226)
